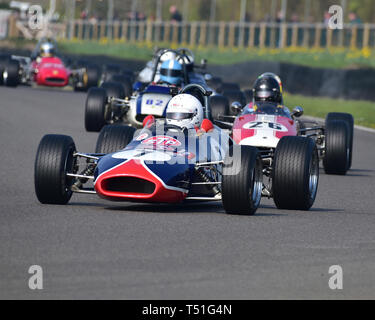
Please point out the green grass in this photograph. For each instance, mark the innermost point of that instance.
(363, 111)
(334, 58)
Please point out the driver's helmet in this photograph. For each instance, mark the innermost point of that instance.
(273, 75)
(171, 72)
(188, 60)
(169, 55)
(184, 111)
(267, 88)
(47, 49)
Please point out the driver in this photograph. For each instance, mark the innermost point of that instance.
(268, 88)
(186, 112)
(47, 49)
(171, 73)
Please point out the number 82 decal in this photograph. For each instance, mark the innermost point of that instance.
(154, 102)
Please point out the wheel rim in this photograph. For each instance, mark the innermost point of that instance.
(68, 166)
(313, 176)
(257, 179)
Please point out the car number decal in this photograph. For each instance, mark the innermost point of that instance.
(258, 125)
(162, 141)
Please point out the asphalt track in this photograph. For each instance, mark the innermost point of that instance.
(94, 248)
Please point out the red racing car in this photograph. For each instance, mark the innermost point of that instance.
(44, 68)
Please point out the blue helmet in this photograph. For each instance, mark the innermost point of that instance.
(171, 72)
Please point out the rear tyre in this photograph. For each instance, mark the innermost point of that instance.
(229, 86)
(337, 147)
(93, 76)
(295, 174)
(242, 180)
(248, 95)
(215, 83)
(109, 71)
(125, 82)
(113, 138)
(129, 74)
(95, 111)
(235, 96)
(11, 73)
(348, 118)
(114, 89)
(219, 106)
(54, 159)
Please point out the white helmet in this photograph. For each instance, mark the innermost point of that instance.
(169, 55)
(47, 49)
(185, 111)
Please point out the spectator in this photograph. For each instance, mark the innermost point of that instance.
(83, 15)
(280, 17)
(353, 18)
(294, 18)
(327, 17)
(175, 14)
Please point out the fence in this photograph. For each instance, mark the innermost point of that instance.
(223, 34)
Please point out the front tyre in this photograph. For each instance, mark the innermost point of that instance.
(295, 173)
(114, 89)
(11, 75)
(95, 110)
(242, 180)
(113, 138)
(54, 159)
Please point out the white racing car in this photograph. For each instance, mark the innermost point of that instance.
(107, 104)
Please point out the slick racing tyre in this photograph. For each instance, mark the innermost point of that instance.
(215, 83)
(10, 75)
(248, 95)
(235, 96)
(113, 138)
(3, 61)
(110, 70)
(125, 82)
(242, 180)
(93, 76)
(295, 173)
(95, 111)
(219, 106)
(129, 74)
(114, 89)
(229, 86)
(90, 78)
(348, 118)
(337, 147)
(54, 160)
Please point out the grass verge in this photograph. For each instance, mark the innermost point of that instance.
(363, 111)
(333, 58)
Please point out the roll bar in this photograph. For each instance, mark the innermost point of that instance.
(205, 93)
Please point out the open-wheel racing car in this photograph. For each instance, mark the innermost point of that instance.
(45, 68)
(160, 163)
(290, 148)
(109, 103)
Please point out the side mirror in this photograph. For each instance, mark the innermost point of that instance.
(236, 107)
(297, 112)
(204, 63)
